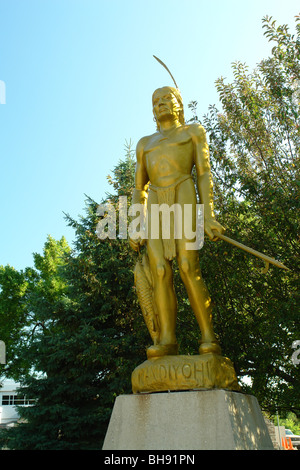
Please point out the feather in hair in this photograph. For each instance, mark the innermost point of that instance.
(164, 65)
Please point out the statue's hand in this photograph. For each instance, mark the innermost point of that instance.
(210, 225)
(136, 243)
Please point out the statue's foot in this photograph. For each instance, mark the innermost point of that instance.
(209, 347)
(159, 350)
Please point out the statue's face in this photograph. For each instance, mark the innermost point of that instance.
(165, 104)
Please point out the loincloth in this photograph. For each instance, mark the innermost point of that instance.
(167, 195)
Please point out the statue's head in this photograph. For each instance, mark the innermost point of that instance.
(165, 101)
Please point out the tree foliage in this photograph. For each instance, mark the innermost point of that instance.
(72, 325)
(85, 336)
(254, 144)
(24, 298)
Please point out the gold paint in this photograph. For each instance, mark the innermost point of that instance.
(165, 159)
(207, 371)
(164, 164)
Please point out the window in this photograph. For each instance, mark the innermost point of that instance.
(6, 399)
(15, 400)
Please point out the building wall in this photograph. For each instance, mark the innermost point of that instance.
(8, 401)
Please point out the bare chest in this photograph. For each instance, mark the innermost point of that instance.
(165, 155)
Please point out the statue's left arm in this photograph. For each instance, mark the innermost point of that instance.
(204, 180)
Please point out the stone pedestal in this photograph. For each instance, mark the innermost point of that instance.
(190, 420)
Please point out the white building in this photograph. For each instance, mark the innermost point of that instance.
(9, 398)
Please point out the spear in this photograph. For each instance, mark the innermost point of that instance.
(267, 259)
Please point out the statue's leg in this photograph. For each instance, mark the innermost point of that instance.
(189, 267)
(163, 288)
(165, 300)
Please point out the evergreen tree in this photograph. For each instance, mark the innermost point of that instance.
(90, 339)
(74, 318)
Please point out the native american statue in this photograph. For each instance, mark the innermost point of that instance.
(164, 165)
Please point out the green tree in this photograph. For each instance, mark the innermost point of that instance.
(90, 339)
(82, 328)
(22, 296)
(254, 144)
(13, 314)
(289, 422)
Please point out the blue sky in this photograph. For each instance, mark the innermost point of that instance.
(79, 75)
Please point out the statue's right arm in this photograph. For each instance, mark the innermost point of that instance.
(139, 195)
(141, 176)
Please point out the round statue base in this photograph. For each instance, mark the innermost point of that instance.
(206, 371)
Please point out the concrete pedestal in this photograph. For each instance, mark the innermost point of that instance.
(190, 420)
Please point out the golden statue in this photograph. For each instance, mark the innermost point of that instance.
(165, 161)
